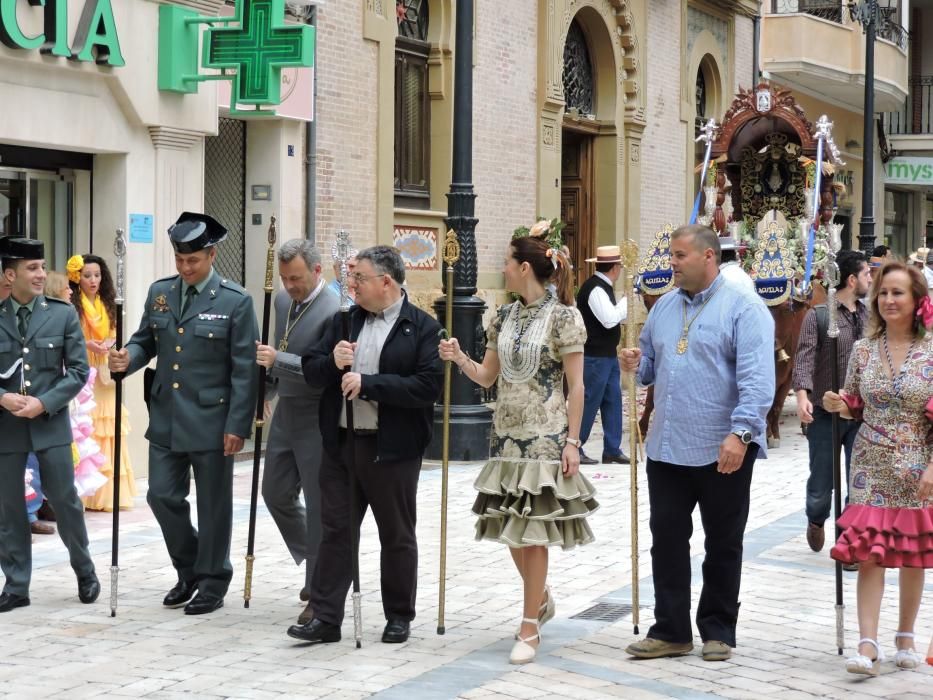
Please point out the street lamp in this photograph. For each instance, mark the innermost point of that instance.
(470, 420)
(872, 15)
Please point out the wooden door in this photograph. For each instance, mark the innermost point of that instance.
(576, 201)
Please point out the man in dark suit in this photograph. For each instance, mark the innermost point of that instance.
(393, 378)
(43, 366)
(202, 331)
(303, 308)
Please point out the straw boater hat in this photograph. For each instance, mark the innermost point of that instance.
(920, 256)
(607, 254)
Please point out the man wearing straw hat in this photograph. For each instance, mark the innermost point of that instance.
(601, 378)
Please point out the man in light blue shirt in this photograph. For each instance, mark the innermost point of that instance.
(707, 350)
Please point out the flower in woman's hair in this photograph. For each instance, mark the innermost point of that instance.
(73, 267)
(925, 314)
(540, 228)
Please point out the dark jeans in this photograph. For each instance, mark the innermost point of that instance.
(391, 489)
(820, 483)
(673, 492)
(602, 392)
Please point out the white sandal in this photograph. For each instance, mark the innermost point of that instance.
(906, 658)
(863, 665)
(523, 652)
(545, 612)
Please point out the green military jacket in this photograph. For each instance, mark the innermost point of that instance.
(206, 375)
(53, 369)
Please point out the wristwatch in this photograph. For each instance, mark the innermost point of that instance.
(573, 441)
(744, 435)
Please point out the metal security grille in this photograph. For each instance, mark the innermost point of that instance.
(604, 612)
(225, 194)
(578, 72)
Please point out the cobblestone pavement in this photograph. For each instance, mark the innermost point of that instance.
(60, 648)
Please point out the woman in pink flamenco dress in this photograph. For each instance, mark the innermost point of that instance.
(888, 523)
(94, 296)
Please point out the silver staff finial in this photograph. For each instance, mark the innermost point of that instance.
(119, 251)
(708, 131)
(342, 251)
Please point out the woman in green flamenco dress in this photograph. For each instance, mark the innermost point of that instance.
(531, 493)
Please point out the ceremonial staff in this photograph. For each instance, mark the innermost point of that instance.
(341, 253)
(823, 125)
(451, 256)
(260, 416)
(706, 134)
(630, 262)
(119, 251)
(831, 274)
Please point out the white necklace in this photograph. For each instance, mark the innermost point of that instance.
(520, 345)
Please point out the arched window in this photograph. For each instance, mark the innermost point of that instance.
(700, 101)
(578, 73)
(412, 105)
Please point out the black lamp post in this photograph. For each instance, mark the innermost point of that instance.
(470, 420)
(871, 15)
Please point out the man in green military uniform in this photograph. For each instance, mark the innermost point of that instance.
(43, 366)
(202, 331)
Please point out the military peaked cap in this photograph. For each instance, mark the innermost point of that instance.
(193, 232)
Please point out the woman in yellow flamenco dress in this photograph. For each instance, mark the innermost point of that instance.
(94, 299)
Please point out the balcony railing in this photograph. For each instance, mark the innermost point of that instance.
(824, 9)
(837, 11)
(916, 117)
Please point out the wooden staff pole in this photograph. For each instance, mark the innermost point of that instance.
(451, 256)
(630, 262)
(260, 416)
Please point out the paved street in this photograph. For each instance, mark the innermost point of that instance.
(60, 648)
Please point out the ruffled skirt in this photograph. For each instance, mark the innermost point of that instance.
(891, 537)
(529, 503)
(105, 397)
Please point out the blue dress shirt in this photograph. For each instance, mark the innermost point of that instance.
(723, 383)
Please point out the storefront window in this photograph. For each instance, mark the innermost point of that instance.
(36, 204)
(928, 220)
(896, 221)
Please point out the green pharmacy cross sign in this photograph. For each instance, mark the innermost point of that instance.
(250, 49)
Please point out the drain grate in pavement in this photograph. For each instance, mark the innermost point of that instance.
(604, 612)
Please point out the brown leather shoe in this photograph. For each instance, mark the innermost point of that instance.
(37, 527)
(816, 536)
(650, 648)
(306, 615)
(716, 651)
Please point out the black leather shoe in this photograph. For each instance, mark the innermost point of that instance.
(180, 594)
(8, 601)
(203, 604)
(88, 588)
(586, 460)
(315, 632)
(615, 459)
(396, 632)
(45, 512)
